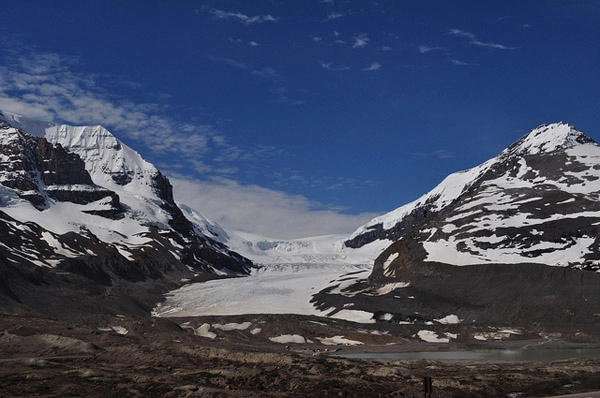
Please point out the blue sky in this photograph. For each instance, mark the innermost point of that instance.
(297, 118)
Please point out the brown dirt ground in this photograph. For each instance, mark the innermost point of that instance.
(159, 358)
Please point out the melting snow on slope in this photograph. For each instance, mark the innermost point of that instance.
(432, 337)
(338, 340)
(446, 251)
(289, 338)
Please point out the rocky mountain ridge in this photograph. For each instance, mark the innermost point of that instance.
(515, 239)
(86, 205)
(550, 174)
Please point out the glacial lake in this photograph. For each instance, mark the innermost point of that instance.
(499, 355)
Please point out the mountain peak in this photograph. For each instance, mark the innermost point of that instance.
(548, 138)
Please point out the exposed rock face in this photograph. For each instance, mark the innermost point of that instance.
(39, 170)
(396, 232)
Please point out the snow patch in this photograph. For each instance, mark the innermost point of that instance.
(386, 265)
(232, 326)
(391, 287)
(288, 338)
(117, 329)
(204, 331)
(449, 320)
(496, 334)
(354, 316)
(432, 337)
(338, 340)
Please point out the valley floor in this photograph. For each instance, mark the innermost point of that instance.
(260, 356)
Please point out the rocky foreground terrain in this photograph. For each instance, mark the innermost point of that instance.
(178, 357)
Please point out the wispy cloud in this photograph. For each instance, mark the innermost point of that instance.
(330, 66)
(491, 45)
(283, 97)
(458, 62)
(333, 16)
(243, 18)
(462, 33)
(373, 67)
(474, 40)
(423, 49)
(265, 73)
(360, 41)
(439, 154)
(251, 43)
(46, 87)
(227, 61)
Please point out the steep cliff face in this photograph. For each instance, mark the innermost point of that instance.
(142, 187)
(40, 171)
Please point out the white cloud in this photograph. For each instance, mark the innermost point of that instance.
(373, 67)
(360, 41)
(227, 61)
(473, 39)
(243, 18)
(330, 66)
(333, 16)
(44, 86)
(458, 62)
(267, 212)
(491, 45)
(462, 33)
(423, 49)
(267, 73)
(439, 154)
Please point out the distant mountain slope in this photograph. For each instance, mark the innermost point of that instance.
(513, 239)
(538, 201)
(78, 201)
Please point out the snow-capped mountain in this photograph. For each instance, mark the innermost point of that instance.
(77, 200)
(536, 202)
(515, 238)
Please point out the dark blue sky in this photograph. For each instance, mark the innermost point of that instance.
(339, 109)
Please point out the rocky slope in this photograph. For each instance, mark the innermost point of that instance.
(82, 214)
